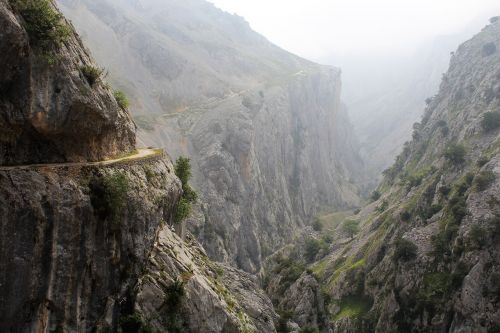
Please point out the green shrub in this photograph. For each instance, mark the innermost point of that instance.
(477, 236)
(108, 196)
(92, 74)
(309, 329)
(404, 250)
(482, 161)
(458, 275)
(491, 120)
(435, 287)
(444, 190)
(45, 26)
(189, 196)
(433, 210)
(405, 216)
(121, 99)
(441, 242)
(284, 317)
(375, 195)
(150, 174)
(183, 169)
(182, 211)
(353, 306)
(174, 294)
(134, 324)
(289, 270)
(317, 225)
(455, 153)
(312, 247)
(484, 179)
(350, 227)
(383, 207)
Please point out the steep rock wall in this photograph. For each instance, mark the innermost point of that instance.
(66, 258)
(48, 110)
(269, 141)
(426, 256)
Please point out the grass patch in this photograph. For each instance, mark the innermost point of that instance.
(344, 265)
(353, 307)
(45, 26)
(121, 99)
(92, 74)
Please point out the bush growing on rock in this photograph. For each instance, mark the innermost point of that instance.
(477, 236)
(375, 195)
(108, 196)
(405, 216)
(455, 153)
(189, 196)
(491, 120)
(484, 179)
(350, 228)
(134, 323)
(312, 248)
(317, 226)
(92, 74)
(121, 99)
(45, 26)
(174, 294)
(309, 329)
(404, 250)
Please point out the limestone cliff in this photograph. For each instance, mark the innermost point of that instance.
(265, 130)
(87, 246)
(426, 256)
(49, 110)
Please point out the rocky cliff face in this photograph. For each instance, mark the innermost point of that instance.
(88, 247)
(426, 256)
(265, 130)
(49, 111)
(67, 254)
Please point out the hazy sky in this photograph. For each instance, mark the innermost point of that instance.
(317, 28)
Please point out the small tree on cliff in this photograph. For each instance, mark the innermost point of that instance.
(350, 228)
(189, 196)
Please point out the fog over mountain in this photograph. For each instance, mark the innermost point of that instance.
(390, 62)
(297, 167)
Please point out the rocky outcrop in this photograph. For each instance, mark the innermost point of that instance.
(48, 110)
(268, 138)
(73, 240)
(426, 257)
(183, 291)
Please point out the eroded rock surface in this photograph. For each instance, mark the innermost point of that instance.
(48, 110)
(267, 135)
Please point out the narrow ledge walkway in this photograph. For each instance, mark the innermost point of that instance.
(139, 155)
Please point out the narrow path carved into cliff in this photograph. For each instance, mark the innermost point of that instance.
(139, 154)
